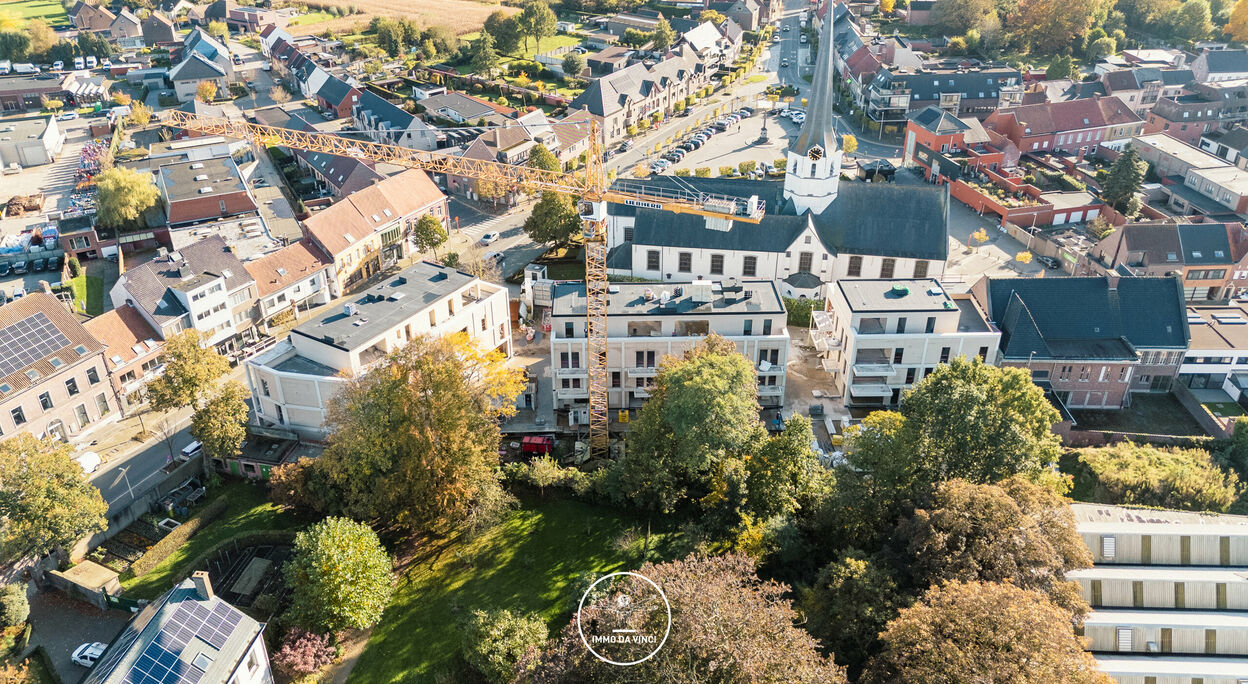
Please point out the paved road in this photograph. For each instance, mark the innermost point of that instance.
(125, 479)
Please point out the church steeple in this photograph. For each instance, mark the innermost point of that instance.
(812, 177)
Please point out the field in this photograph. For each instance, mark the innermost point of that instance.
(461, 16)
(525, 564)
(535, 48)
(314, 17)
(51, 11)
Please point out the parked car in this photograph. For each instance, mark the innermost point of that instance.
(67, 116)
(746, 111)
(784, 62)
(19, 267)
(86, 654)
(626, 145)
(489, 238)
(1049, 262)
(58, 65)
(54, 263)
(5, 269)
(89, 460)
(36, 265)
(19, 292)
(495, 258)
(190, 451)
(785, 28)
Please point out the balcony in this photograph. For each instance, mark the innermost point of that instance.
(830, 366)
(572, 392)
(641, 392)
(825, 341)
(771, 390)
(642, 372)
(873, 368)
(824, 321)
(870, 389)
(769, 368)
(571, 372)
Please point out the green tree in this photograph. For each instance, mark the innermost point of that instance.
(219, 30)
(982, 632)
(1061, 67)
(542, 158)
(414, 441)
(1191, 20)
(221, 423)
(536, 21)
(1102, 47)
(663, 34)
(713, 16)
(1047, 26)
(956, 16)
(191, 369)
(979, 532)
(1167, 477)
(505, 30)
(501, 645)
(14, 45)
(573, 64)
(1124, 180)
(339, 576)
(727, 626)
(14, 607)
(429, 234)
(42, 37)
(123, 195)
(45, 502)
(851, 600)
(554, 219)
(485, 61)
(90, 43)
(390, 35)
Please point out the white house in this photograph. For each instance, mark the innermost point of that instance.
(291, 280)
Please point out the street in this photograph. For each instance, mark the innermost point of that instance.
(126, 479)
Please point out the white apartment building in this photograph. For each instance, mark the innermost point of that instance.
(646, 322)
(879, 337)
(292, 383)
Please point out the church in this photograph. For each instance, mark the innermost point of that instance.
(815, 229)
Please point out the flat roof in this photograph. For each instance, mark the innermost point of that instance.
(1172, 665)
(304, 366)
(386, 305)
(1101, 617)
(1160, 573)
(1178, 149)
(925, 294)
(187, 179)
(1223, 175)
(1209, 332)
(630, 299)
(971, 319)
(1069, 199)
(21, 129)
(1104, 519)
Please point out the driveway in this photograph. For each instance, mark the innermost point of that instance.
(61, 624)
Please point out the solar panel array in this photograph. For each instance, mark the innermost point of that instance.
(160, 662)
(27, 341)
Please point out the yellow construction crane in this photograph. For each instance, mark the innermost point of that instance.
(588, 186)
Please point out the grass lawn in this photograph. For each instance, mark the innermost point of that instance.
(311, 18)
(88, 294)
(249, 510)
(1154, 414)
(50, 11)
(1223, 409)
(528, 563)
(546, 45)
(756, 78)
(566, 270)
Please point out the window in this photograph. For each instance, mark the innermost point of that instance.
(910, 372)
(615, 378)
(645, 359)
(749, 266)
(684, 262)
(628, 233)
(568, 330)
(717, 264)
(983, 356)
(901, 326)
(944, 354)
(81, 412)
(45, 400)
(19, 416)
(855, 267)
(93, 376)
(920, 269)
(898, 355)
(1085, 374)
(1109, 545)
(652, 260)
(264, 387)
(887, 267)
(767, 326)
(804, 261)
(931, 324)
(1122, 374)
(71, 386)
(101, 403)
(747, 328)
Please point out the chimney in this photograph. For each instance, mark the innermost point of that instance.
(203, 585)
(1112, 281)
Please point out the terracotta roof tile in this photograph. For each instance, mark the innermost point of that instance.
(120, 331)
(64, 321)
(285, 266)
(401, 195)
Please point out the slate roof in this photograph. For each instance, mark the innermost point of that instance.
(149, 284)
(196, 67)
(819, 128)
(865, 218)
(1236, 138)
(334, 90)
(1226, 61)
(377, 111)
(1135, 79)
(969, 83)
(200, 42)
(938, 121)
(1082, 318)
(466, 107)
(606, 95)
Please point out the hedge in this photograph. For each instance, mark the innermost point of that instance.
(179, 536)
(42, 654)
(244, 538)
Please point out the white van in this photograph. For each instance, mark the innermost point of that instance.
(191, 451)
(90, 461)
(79, 63)
(5, 67)
(91, 61)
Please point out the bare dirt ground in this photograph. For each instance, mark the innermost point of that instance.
(461, 16)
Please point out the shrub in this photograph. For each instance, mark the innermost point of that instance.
(747, 167)
(682, 172)
(728, 170)
(1185, 479)
(495, 642)
(14, 608)
(74, 266)
(702, 172)
(179, 536)
(800, 309)
(303, 653)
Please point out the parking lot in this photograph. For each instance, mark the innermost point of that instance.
(739, 143)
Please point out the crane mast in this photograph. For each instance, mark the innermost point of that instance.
(588, 186)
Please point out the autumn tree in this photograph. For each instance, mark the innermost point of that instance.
(339, 576)
(956, 16)
(727, 625)
(536, 21)
(1049, 25)
(979, 532)
(140, 115)
(540, 157)
(122, 195)
(1237, 25)
(45, 502)
(303, 653)
(429, 234)
(713, 16)
(1165, 477)
(501, 645)
(849, 143)
(221, 423)
(414, 441)
(219, 30)
(42, 37)
(489, 190)
(847, 606)
(663, 35)
(554, 219)
(887, 6)
(191, 369)
(206, 91)
(1124, 181)
(982, 632)
(279, 94)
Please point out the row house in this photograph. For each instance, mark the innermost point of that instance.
(1194, 181)
(1213, 66)
(202, 286)
(1089, 341)
(337, 97)
(269, 36)
(158, 30)
(53, 376)
(91, 18)
(877, 338)
(1208, 257)
(199, 42)
(1074, 126)
(293, 382)
(1232, 97)
(385, 122)
(1217, 354)
(975, 90)
(126, 28)
(945, 146)
(371, 229)
(1142, 87)
(746, 13)
(713, 44)
(1231, 145)
(1187, 118)
(132, 350)
(646, 322)
(290, 281)
(624, 98)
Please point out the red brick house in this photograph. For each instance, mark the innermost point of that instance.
(1186, 118)
(943, 145)
(337, 97)
(1074, 126)
(195, 191)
